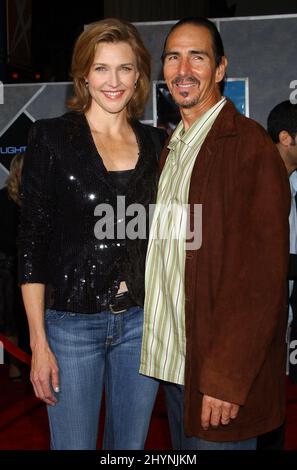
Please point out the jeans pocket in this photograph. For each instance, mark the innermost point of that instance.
(54, 315)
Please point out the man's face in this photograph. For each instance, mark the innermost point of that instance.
(190, 69)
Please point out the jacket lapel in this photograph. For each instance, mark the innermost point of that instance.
(84, 148)
(223, 126)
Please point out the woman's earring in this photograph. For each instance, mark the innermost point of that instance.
(135, 84)
(86, 83)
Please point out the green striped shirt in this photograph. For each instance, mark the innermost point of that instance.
(164, 344)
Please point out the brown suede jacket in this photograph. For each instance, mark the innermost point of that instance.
(235, 283)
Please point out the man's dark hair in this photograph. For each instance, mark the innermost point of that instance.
(217, 43)
(283, 117)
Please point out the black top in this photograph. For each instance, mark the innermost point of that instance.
(120, 179)
(9, 214)
(63, 181)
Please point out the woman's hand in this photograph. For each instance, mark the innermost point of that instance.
(44, 373)
(44, 367)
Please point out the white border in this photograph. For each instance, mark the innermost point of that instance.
(235, 18)
(260, 17)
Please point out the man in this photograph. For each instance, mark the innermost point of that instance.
(282, 128)
(215, 316)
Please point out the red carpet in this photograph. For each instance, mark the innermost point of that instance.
(23, 420)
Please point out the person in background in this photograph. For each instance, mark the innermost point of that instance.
(282, 128)
(11, 308)
(215, 305)
(83, 284)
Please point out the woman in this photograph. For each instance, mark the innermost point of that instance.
(91, 286)
(11, 309)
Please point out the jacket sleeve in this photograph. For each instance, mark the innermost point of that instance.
(37, 189)
(250, 302)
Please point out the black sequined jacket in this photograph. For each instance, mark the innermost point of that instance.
(63, 180)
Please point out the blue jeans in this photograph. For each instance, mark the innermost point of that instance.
(175, 408)
(96, 351)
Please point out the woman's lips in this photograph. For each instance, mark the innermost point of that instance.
(113, 95)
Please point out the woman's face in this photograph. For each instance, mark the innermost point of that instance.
(112, 76)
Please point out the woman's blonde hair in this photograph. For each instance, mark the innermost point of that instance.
(110, 30)
(14, 179)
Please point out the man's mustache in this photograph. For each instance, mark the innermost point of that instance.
(179, 80)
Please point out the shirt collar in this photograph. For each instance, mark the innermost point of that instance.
(188, 138)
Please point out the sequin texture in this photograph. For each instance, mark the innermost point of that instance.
(63, 180)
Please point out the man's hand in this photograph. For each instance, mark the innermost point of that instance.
(215, 412)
